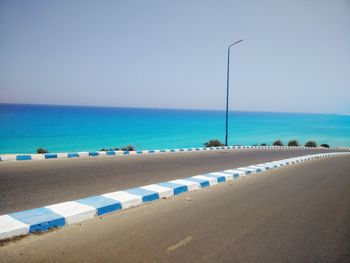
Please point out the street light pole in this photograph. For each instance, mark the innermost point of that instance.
(228, 86)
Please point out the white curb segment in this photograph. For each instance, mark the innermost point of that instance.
(126, 199)
(212, 181)
(162, 191)
(73, 212)
(10, 227)
(228, 177)
(192, 186)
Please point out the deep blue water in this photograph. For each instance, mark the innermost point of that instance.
(24, 128)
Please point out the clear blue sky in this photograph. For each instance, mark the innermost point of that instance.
(172, 54)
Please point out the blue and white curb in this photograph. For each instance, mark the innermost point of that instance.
(57, 215)
(26, 157)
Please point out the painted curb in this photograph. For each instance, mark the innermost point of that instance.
(54, 216)
(27, 157)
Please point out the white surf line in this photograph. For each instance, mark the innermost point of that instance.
(53, 216)
(93, 154)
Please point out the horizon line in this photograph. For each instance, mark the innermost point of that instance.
(160, 108)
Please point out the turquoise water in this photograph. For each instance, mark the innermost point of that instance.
(24, 128)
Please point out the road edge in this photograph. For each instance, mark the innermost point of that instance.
(58, 215)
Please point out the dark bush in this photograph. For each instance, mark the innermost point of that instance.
(277, 143)
(263, 144)
(311, 144)
(128, 148)
(213, 143)
(325, 145)
(293, 143)
(125, 148)
(42, 150)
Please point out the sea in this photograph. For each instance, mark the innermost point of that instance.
(25, 128)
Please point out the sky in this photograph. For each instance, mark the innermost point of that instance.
(295, 56)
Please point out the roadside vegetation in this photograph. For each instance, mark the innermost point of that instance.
(278, 143)
(296, 143)
(311, 144)
(213, 143)
(42, 150)
(128, 147)
(293, 143)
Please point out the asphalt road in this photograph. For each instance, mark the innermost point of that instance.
(30, 184)
(299, 213)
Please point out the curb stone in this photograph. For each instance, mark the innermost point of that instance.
(27, 157)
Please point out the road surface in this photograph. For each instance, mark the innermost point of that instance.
(299, 213)
(31, 184)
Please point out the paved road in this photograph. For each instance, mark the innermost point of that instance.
(293, 214)
(30, 184)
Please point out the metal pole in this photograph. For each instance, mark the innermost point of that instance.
(227, 92)
(228, 87)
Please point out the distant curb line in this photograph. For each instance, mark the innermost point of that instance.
(27, 157)
(57, 215)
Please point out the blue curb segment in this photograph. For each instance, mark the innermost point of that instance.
(219, 178)
(73, 155)
(246, 172)
(93, 153)
(110, 153)
(39, 219)
(23, 157)
(234, 174)
(50, 155)
(102, 204)
(202, 182)
(147, 195)
(178, 188)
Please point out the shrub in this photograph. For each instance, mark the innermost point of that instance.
(125, 148)
(277, 143)
(325, 145)
(293, 143)
(311, 144)
(42, 150)
(263, 144)
(213, 143)
(128, 148)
